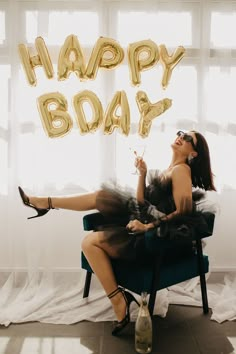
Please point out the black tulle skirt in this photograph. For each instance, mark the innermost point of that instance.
(119, 206)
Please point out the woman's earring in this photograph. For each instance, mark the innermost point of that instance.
(190, 158)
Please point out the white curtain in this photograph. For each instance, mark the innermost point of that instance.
(40, 258)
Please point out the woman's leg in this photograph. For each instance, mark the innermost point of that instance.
(80, 202)
(105, 201)
(98, 254)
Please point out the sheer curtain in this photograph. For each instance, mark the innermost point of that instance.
(40, 259)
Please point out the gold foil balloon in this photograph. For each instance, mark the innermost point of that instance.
(93, 100)
(53, 112)
(169, 62)
(149, 111)
(71, 59)
(114, 57)
(142, 55)
(112, 120)
(31, 62)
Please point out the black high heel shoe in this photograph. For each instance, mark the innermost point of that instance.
(40, 211)
(128, 299)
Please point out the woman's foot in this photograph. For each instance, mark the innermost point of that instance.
(38, 204)
(121, 308)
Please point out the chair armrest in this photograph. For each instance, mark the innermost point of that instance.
(155, 244)
(93, 220)
(209, 219)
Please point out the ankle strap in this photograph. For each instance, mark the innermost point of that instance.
(50, 203)
(115, 292)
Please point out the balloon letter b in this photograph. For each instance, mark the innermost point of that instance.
(92, 99)
(137, 63)
(97, 58)
(56, 122)
(31, 62)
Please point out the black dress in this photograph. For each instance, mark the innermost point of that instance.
(119, 206)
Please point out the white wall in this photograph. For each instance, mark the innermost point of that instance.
(221, 247)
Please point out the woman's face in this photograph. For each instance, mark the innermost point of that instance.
(185, 142)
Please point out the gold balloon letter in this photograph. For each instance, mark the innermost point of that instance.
(31, 62)
(149, 111)
(169, 62)
(98, 59)
(137, 63)
(56, 122)
(71, 59)
(112, 120)
(92, 99)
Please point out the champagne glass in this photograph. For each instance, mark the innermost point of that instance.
(138, 151)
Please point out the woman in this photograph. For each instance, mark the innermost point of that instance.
(167, 197)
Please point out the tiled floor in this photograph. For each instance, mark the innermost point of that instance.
(185, 330)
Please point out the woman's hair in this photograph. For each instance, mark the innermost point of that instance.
(202, 175)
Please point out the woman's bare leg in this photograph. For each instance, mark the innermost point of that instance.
(98, 255)
(78, 202)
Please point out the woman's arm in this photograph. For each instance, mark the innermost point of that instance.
(182, 194)
(142, 168)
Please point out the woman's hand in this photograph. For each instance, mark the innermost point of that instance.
(140, 164)
(137, 226)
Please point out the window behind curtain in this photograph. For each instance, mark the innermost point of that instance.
(202, 88)
(202, 85)
(220, 85)
(4, 105)
(172, 28)
(71, 162)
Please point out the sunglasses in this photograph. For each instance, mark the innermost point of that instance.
(186, 137)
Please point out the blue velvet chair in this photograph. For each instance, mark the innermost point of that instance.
(171, 262)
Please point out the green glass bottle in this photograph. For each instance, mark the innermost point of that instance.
(143, 328)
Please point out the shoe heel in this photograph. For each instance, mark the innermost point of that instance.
(131, 298)
(40, 212)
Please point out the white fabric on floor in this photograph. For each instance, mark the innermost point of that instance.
(221, 297)
(29, 297)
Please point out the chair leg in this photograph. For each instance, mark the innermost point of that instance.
(202, 277)
(87, 284)
(154, 285)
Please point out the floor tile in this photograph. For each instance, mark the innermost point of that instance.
(184, 330)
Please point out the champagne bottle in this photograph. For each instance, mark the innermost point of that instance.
(143, 328)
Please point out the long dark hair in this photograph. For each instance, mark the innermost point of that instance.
(202, 175)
